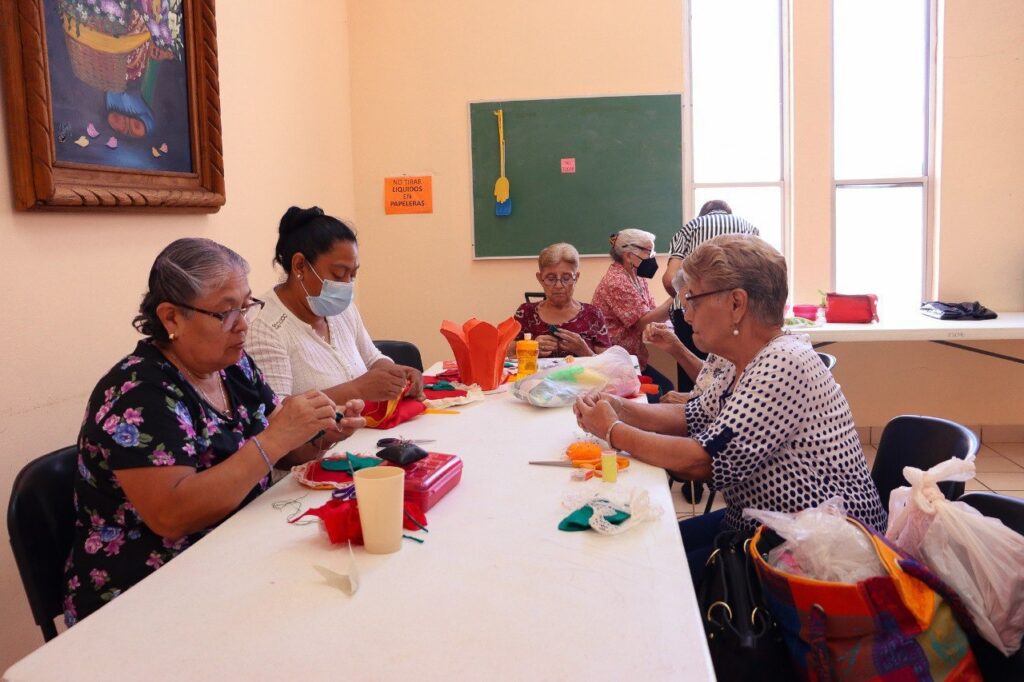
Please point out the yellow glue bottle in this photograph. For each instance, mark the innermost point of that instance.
(527, 351)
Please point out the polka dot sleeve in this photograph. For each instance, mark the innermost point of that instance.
(763, 412)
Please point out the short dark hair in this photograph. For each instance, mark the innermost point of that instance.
(184, 271)
(714, 205)
(308, 231)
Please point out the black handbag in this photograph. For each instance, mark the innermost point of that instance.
(743, 639)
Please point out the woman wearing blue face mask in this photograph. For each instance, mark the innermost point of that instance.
(310, 334)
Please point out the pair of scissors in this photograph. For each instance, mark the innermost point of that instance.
(388, 442)
(622, 462)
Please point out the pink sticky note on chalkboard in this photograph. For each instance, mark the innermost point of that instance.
(568, 165)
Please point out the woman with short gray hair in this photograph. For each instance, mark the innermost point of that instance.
(772, 430)
(560, 324)
(625, 299)
(184, 430)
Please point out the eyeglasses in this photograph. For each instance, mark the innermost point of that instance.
(693, 297)
(229, 318)
(552, 280)
(640, 250)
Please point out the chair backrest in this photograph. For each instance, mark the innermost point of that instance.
(1009, 510)
(402, 352)
(922, 442)
(534, 296)
(41, 523)
(828, 360)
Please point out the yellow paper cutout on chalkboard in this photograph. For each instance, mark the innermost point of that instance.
(83, 141)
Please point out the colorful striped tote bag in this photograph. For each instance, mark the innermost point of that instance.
(899, 627)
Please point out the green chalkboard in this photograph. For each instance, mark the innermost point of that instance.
(628, 155)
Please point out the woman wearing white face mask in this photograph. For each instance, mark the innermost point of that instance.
(310, 334)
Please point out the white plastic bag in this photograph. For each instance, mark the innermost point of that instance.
(612, 372)
(977, 556)
(823, 545)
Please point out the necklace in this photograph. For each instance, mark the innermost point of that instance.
(194, 380)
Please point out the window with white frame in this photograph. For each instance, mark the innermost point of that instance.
(735, 124)
(881, 84)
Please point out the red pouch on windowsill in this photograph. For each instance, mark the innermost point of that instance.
(851, 308)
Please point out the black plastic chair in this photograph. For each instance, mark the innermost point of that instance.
(922, 442)
(828, 359)
(402, 352)
(41, 523)
(1009, 510)
(534, 296)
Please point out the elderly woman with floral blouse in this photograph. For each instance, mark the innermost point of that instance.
(562, 325)
(183, 431)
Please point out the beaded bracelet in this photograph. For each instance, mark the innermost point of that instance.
(263, 454)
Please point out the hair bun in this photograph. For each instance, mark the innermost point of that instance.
(295, 218)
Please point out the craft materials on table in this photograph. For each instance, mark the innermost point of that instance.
(589, 457)
(385, 414)
(479, 349)
(560, 385)
(426, 480)
(597, 508)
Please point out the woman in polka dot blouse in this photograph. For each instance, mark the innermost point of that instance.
(772, 431)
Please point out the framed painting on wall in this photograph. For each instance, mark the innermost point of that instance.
(112, 104)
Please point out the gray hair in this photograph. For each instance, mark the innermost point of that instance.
(630, 236)
(183, 272)
(736, 261)
(559, 253)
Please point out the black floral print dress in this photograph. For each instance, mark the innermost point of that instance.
(144, 413)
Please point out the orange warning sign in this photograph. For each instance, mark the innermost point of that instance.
(408, 194)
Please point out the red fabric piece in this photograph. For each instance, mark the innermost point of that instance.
(379, 416)
(341, 519)
(437, 395)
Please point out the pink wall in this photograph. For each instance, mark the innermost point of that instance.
(73, 281)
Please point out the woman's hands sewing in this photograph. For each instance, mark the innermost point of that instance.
(572, 343)
(596, 412)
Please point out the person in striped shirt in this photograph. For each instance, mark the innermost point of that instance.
(715, 218)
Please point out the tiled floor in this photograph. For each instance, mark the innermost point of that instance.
(999, 466)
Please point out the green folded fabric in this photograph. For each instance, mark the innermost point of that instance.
(441, 386)
(580, 519)
(352, 464)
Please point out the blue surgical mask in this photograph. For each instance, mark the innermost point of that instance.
(334, 298)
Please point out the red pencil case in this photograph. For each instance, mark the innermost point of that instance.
(430, 479)
(851, 308)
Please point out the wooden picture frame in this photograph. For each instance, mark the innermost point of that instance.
(52, 108)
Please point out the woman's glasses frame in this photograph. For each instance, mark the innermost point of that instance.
(688, 297)
(228, 318)
(565, 280)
